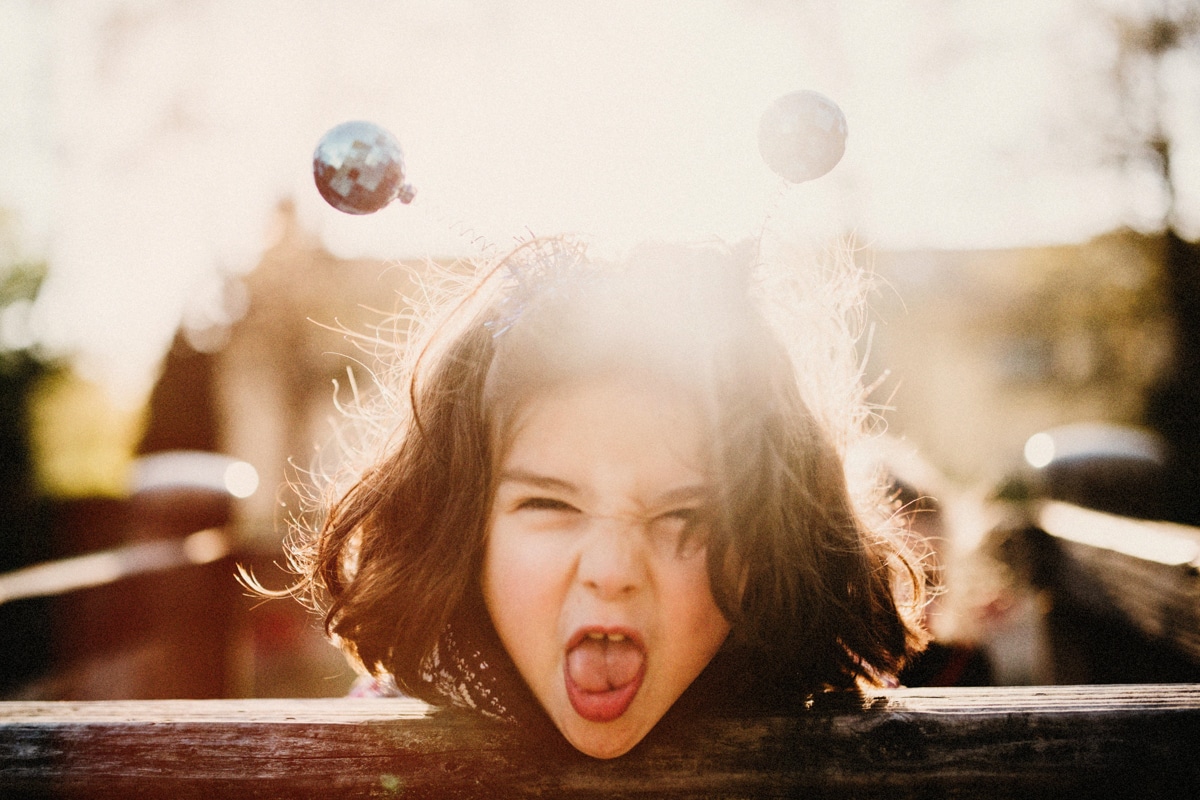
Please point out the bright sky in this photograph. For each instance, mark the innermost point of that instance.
(146, 142)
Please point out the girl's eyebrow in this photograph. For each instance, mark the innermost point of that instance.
(685, 494)
(689, 493)
(536, 480)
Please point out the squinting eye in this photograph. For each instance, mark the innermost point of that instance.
(682, 530)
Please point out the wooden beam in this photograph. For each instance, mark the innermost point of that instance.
(110, 566)
(1146, 573)
(1065, 741)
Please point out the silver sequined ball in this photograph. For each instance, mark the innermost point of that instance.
(359, 168)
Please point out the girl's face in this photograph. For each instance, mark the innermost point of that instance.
(595, 573)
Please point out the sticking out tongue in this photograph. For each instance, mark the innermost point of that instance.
(603, 677)
(598, 665)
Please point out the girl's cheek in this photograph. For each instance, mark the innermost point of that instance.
(525, 562)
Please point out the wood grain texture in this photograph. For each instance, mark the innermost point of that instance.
(1073, 741)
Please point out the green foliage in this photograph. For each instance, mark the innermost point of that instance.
(21, 281)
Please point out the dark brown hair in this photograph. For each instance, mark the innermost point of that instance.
(803, 569)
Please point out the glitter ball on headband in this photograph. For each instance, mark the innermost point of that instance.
(359, 168)
(802, 135)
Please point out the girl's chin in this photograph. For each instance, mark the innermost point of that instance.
(603, 739)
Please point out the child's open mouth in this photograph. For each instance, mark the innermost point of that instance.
(604, 671)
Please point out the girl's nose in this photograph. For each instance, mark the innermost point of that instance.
(612, 562)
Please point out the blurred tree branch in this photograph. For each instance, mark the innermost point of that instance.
(1154, 41)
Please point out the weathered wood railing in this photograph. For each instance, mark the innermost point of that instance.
(1094, 741)
(135, 596)
(1124, 593)
(1145, 572)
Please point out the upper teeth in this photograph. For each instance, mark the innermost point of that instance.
(612, 637)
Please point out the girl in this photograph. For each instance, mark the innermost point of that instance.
(614, 496)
